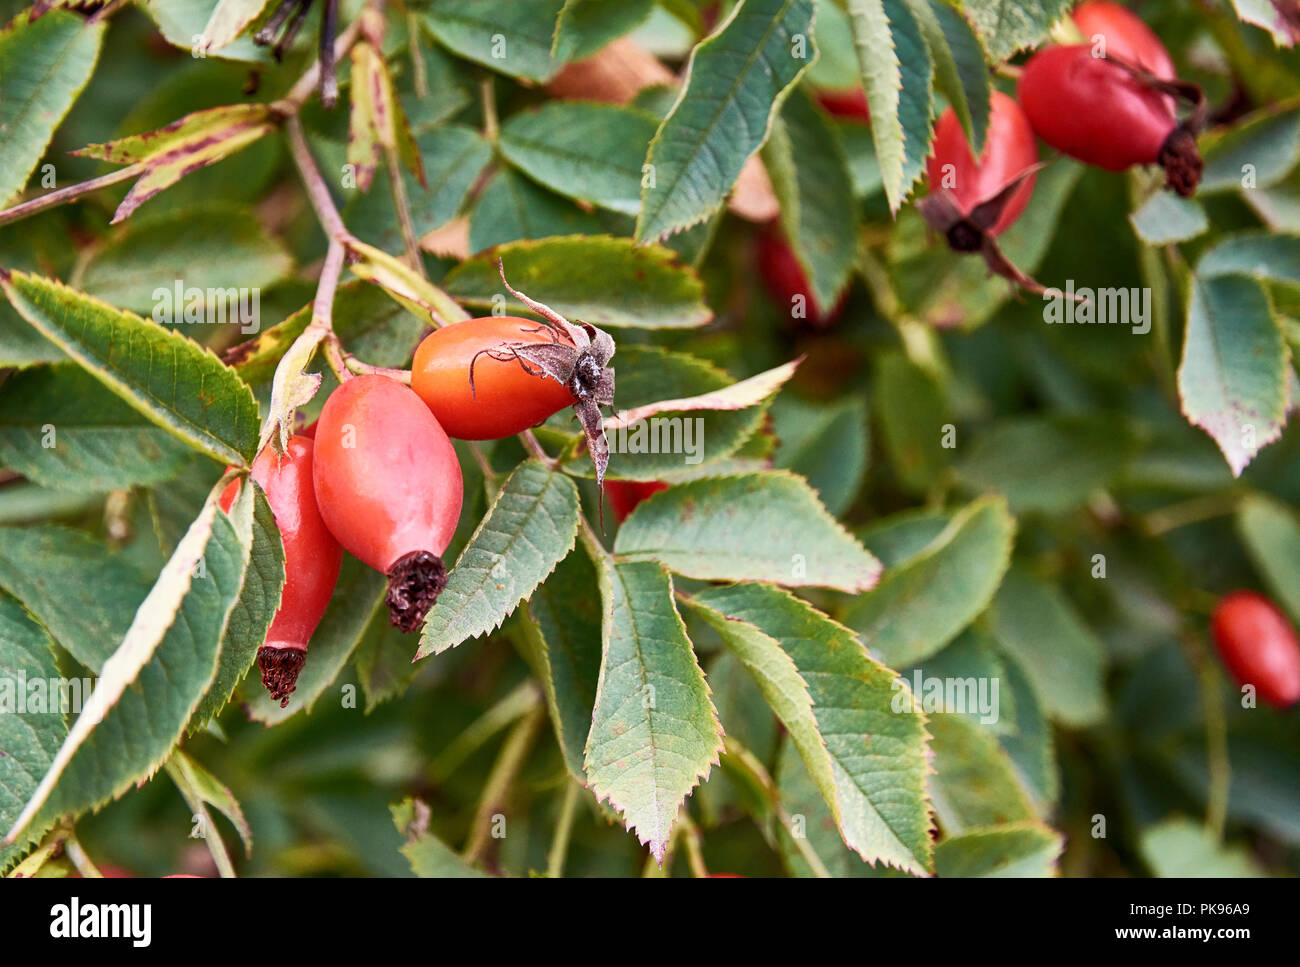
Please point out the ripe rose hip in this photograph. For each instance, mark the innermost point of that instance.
(789, 287)
(624, 495)
(849, 103)
(1010, 150)
(389, 488)
(311, 561)
(1259, 646)
(1126, 36)
(1100, 113)
(479, 396)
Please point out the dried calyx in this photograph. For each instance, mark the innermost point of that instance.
(1178, 155)
(414, 582)
(578, 357)
(280, 668)
(287, 21)
(971, 231)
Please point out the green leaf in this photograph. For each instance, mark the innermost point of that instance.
(150, 686)
(960, 69)
(382, 660)
(1030, 746)
(1233, 377)
(512, 207)
(201, 788)
(228, 20)
(921, 606)
(588, 151)
(809, 171)
(752, 527)
(45, 63)
(1180, 848)
(900, 537)
(974, 783)
(1256, 153)
(407, 286)
(825, 444)
(896, 74)
(1262, 256)
(428, 855)
(1164, 219)
(513, 37)
(912, 414)
(1271, 534)
(259, 600)
(30, 736)
(530, 527)
(198, 267)
(63, 429)
(638, 285)
(968, 677)
(358, 597)
(1014, 850)
(182, 21)
(172, 381)
(454, 158)
(85, 595)
(562, 643)
(585, 26)
(1046, 464)
(1059, 654)
(876, 758)
(1007, 26)
(735, 82)
(654, 731)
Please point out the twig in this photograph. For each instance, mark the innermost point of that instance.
(403, 206)
(62, 195)
(563, 831)
(491, 127)
(317, 191)
(72, 849)
(694, 850)
(302, 89)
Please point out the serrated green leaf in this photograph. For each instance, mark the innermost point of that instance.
(1165, 218)
(1031, 746)
(900, 537)
(974, 783)
(877, 757)
(654, 731)
(588, 151)
(735, 82)
(1014, 850)
(1257, 152)
(1265, 257)
(172, 381)
(259, 600)
(30, 737)
(912, 414)
(192, 269)
(150, 686)
(228, 20)
(562, 642)
(753, 527)
(45, 63)
(182, 21)
(1232, 381)
(642, 286)
(61, 428)
(1007, 26)
(428, 855)
(512, 208)
(512, 37)
(809, 172)
(921, 606)
(960, 70)
(1059, 654)
(527, 531)
(585, 26)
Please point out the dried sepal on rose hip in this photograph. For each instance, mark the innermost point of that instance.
(974, 200)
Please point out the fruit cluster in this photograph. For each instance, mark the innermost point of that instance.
(1110, 102)
(377, 475)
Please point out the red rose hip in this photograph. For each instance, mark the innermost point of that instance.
(389, 488)
(311, 561)
(1258, 646)
(1125, 36)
